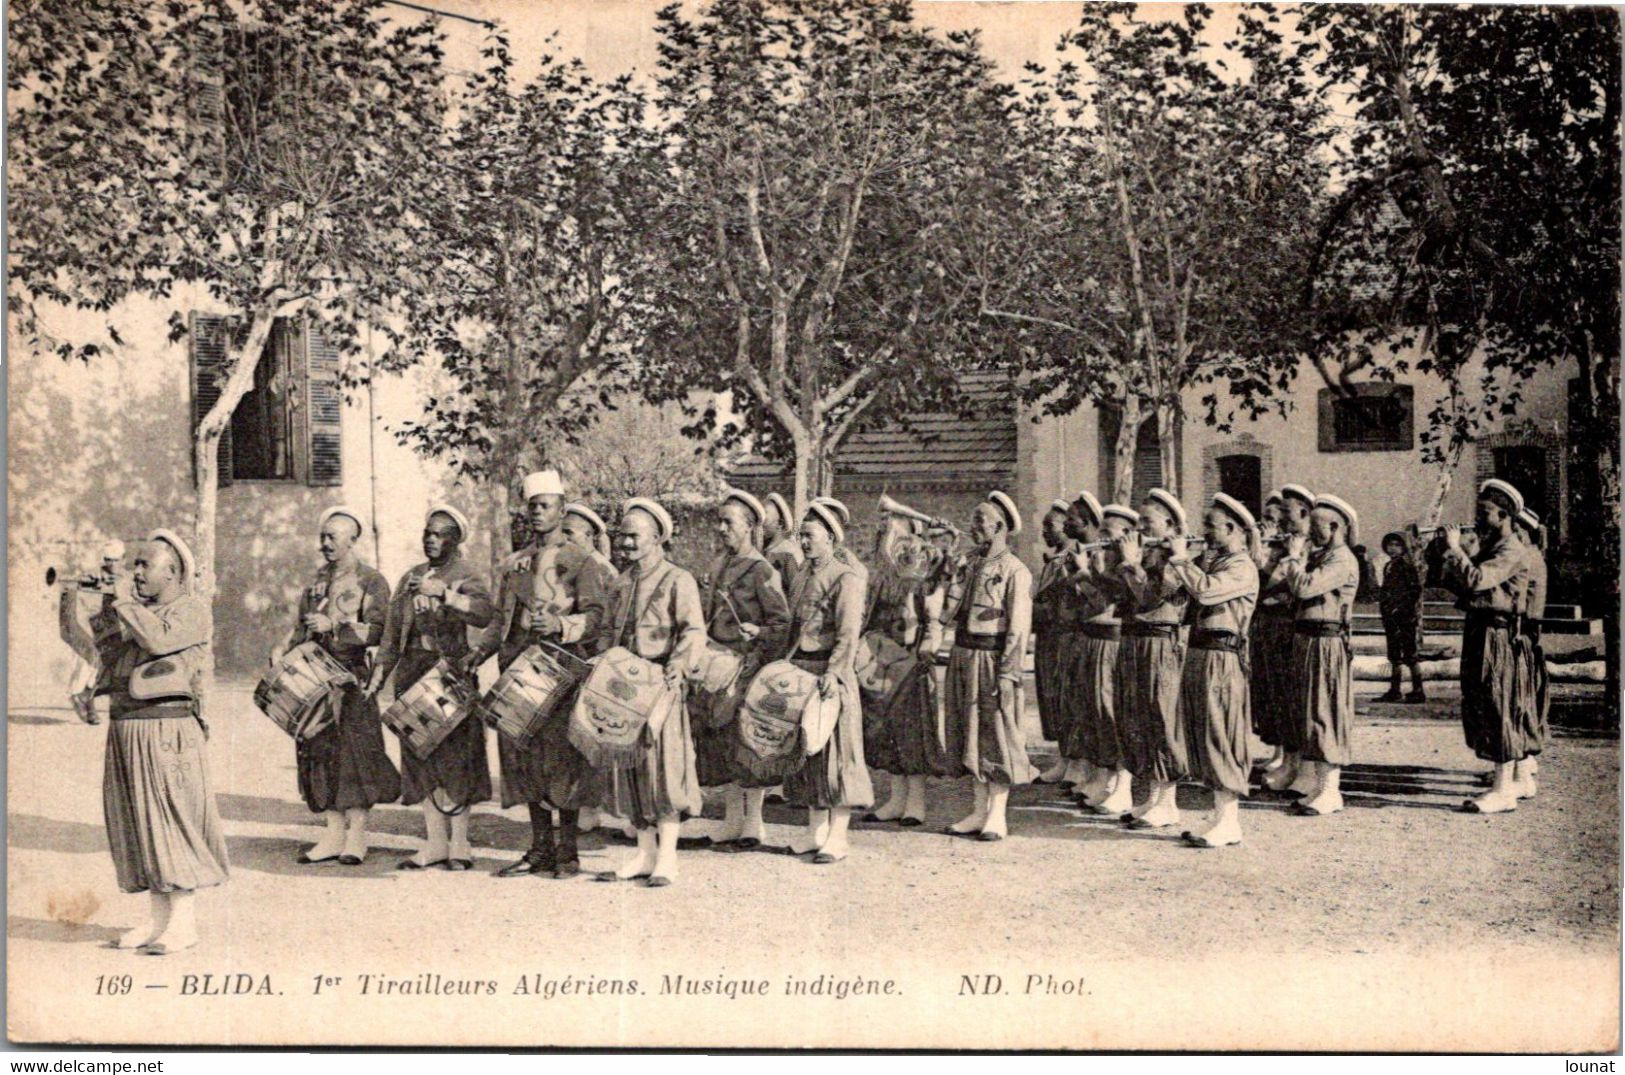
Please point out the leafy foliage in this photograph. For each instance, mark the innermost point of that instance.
(821, 154)
(1167, 188)
(534, 206)
(1476, 238)
(260, 155)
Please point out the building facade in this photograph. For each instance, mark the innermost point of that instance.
(1364, 447)
(104, 450)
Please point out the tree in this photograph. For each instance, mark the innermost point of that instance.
(1174, 181)
(262, 154)
(534, 208)
(1476, 239)
(817, 150)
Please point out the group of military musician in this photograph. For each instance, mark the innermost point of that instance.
(793, 665)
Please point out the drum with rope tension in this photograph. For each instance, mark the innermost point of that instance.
(538, 683)
(431, 709)
(302, 694)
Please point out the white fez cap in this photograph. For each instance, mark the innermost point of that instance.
(1007, 507)
(1227, 503)
(1530, 520)
(1121, 511)
(1272, 496)
(828, 518)
(1059, 504)
(543, 483)
(1298, 492)
(780, 505)
(183, 551)
(584, 512)
(1350, 517)
(752, 505)
(1170, 502)
(346, 511)
(1504, 489)
(1087, 499)
(836, 506)
(660, 515)
(463, 529)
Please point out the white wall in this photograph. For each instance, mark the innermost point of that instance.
(1388, 488)
(104, 451)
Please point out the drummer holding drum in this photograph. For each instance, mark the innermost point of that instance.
(426, 633)
(826, 608)
(655, 627)
(552, 592)
(344, 770)
(746, 617)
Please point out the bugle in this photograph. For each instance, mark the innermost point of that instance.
(1434, 531)
(888, 506)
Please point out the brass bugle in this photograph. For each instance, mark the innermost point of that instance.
(888, 506)
(89, 580)
(1423, 531)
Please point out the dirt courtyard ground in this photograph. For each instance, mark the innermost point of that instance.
(1398, 922)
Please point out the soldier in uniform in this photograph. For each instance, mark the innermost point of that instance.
(991, 607)
(826, 617)
(1490, 586)
(1096, 645)
(1272, 653)
(1534, 697)
(746, 612)
(430, 614)
(551, 592)
(1223, 588)
(163, 828)
(586, 530)
(905, 739)
(779, 542)
(1150, 662)
(1051, 607)
(842, 553)
(1323, 582)
(655, 612)
(344, 770)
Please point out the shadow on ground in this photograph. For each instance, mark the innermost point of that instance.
(19, 928)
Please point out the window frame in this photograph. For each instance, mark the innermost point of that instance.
(1403, 438)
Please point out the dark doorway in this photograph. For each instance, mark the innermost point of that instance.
(1241, 476)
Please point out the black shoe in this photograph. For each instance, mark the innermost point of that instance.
(1416, 696)
(911, 822)
(692, 843)
(459, 865)
(1392, 696)
(304, 859)
(567, 849)
(536, 860)
(565, 869)
(349, 860)
(413, 864)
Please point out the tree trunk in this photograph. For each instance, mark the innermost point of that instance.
(1168, 420)
(206, 464)
(1441, 489)
(1128, 437)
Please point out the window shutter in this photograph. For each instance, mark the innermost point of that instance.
(324, 410)
(210, 337)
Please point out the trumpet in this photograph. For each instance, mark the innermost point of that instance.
(94, 581)
(1434, 531)
(888, 506)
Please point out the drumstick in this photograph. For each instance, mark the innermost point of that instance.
(738, 619)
